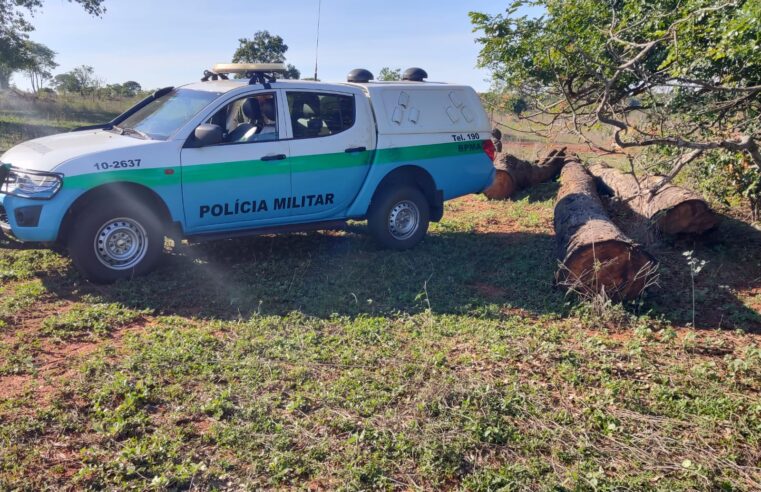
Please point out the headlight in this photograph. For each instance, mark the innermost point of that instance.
(31, 184)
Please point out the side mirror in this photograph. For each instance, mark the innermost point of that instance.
(206, 135)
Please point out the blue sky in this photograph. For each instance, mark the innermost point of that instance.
(168, 42)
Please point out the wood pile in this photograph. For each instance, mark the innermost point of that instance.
(515, 174)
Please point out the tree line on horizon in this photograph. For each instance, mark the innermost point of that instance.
(38, 64)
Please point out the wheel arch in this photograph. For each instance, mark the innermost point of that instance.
(423, 180)
(137, 195)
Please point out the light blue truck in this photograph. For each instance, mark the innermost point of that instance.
(222, 158)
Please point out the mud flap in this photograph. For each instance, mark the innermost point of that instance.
(437, 207)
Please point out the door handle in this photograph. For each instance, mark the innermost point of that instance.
(351, 150)
(274, 157)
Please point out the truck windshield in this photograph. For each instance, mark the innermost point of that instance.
(167, 114)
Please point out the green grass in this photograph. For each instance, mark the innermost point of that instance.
(26, 117)
(319, 362)
(19, 297)
(25, 264)
(392, 402)
(88, 320)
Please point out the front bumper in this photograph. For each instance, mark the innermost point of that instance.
(30, 220)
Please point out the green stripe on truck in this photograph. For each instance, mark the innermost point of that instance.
(245, 169)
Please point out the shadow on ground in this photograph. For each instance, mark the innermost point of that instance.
(539, 193)
(724, 288)
(323, 274)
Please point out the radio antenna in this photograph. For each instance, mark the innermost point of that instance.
(317, 47)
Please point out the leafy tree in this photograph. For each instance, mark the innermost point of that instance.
(111, 91)
(41, 62)
(65, 83)
(291, 72)
(389, 74)
(131, 88)
(128, 89)
(692, 66)
(264, 48)
(10, 62)
(500, 98)
(5, 75)
(728, 177)
(81, 79)
(15, 27)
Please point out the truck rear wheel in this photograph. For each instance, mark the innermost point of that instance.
(399, 217)
(111, 243)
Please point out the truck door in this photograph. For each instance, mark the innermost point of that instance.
(331, 151)
(244, 180)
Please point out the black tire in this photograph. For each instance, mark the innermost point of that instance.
(387, 205)
(116, 226)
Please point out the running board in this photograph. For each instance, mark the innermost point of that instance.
(285, 229)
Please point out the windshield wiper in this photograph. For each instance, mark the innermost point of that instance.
(135, 131)
(131, 131)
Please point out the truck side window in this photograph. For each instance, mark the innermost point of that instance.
(316, 114)
(248, 119)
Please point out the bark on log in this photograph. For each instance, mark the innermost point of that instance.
(593, 252)
(515, 174)
(672, 209)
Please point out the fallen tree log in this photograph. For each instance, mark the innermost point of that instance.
(515, 174)
(595, 256)
(671, 209)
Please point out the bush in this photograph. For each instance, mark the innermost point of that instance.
(729, 179)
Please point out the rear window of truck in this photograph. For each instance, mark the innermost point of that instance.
(316, 114)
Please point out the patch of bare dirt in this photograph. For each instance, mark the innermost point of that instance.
(57, 361)
(489, 291)
(473, 204)
(31, 321)
(499, 227)
(14, 386)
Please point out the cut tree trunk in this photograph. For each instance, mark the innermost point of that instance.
(672, 209)
(515, 174)
(595, 255)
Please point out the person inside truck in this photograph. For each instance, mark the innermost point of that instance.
(250, 119)
(268, 123)
(246, 120)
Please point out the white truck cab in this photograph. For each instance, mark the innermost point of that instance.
(221, 158)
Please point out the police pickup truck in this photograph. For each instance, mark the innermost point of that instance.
(227, 157)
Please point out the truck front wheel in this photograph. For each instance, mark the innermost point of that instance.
(111, 243)
(399, 217)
